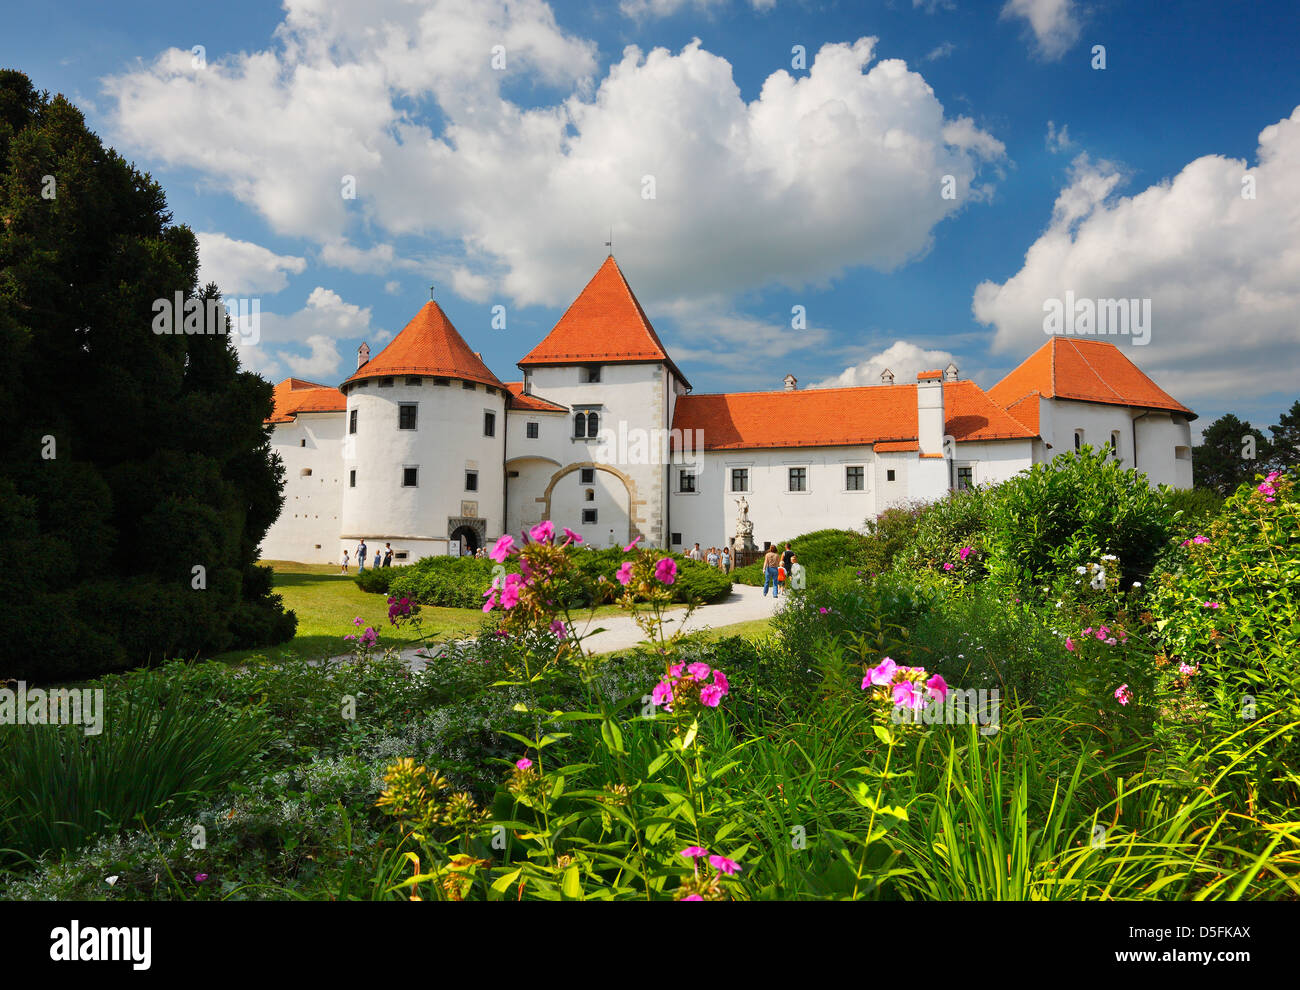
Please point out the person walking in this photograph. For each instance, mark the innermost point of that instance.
(712, 558)
(725, 563)
(388, 555)
(695, 552)
(770, 561)
(361, 556)
(798, 577)
(345, 563)
(786, 558)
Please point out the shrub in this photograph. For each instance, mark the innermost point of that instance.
(1050, 520)
(944, 529)
(821, 553)
(378, 580)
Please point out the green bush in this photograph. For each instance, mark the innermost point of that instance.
(1046, 522)
(821, 553)
(1194, 509)
(944, 528)
(378, 580)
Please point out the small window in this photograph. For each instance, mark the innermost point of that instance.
(965, 478)
(489, 424)
(855, 478)
(1114, 442)
(740, 479)
(414, 382)
(441, 381)
(889, 475)
(586, 425)
(352, 421)
(400, 555)
(410, 477)
(588, 517)
(579, 426)
(686, 481)
(1183, 453)
(798, 479)
(1078, 439)
(302, 442)
(352, 478)
(471, 481)
(468, 386)
(677, 539)
(530, 431)
(305, 473)
(589, 374)
(587, 476)
(589, 495)
(406, 415)
(385, 383)
(512, 474)
(489, 390)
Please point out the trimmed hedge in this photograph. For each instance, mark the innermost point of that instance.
(821, 553)
(460, 582)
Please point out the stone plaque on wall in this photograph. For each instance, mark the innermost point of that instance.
(469, 509)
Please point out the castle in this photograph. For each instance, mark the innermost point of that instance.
(425, 448)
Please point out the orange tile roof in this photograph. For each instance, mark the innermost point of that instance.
(296, 395)
(428, 345)
(605, 324)
(1087, 371)
(832, 417)
(1025, 409)
(926, 376)
(520, 400)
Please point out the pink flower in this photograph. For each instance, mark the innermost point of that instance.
(505, 545)
(557, 627)
(906, 695)
(966, 552)
(491, 602)
(1069, 645)
(1209, 604)
(947, 567)
(1200, 539)
(822, 611)
(1123, 695)
(625, 573)
(710, 695)
(881, 674)
(720, 679)
(692, 897)
(510, 593)
(1186, 670)
(357, 621)
(662, 694)
(666, 570)
(200, 877)
(937, 687)
(543, 532)
(1110, 641)
(694, 852)
(723, 865)
(676, 669)
(699, 670)
(632, 546)
(571, 536)
(523, 763)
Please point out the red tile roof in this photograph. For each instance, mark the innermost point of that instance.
(296, 395)
(605, 324)
(1026, 410)
(519, 400)
(428, 345)
(1087, 371)
(926, 376)
(832, 417)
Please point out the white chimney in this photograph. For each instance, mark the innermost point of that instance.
(886, 377)
(791, 383)
(950, 372)
(363, 354)
(929, 412)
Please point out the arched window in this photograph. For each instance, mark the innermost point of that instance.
(593, 424)
(580, 425)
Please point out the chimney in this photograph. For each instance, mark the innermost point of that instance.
(363, 354)
(950, 372)
(929, 412)
(886, 377)
(791, 383)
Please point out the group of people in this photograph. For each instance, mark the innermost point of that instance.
(382, 559)
(780, 569)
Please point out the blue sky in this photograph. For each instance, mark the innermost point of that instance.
(776, 185)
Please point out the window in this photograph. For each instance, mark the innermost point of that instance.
(362, 384)
(590, 495)
(965, 477)
(530, 431)
(489, 424)
(889, 475)
(489, 390)
(579, 425)
(468, 386)
(589, 374)
(406, 415)
(471, 481)
(1114, 442)
(855, 478)
(302, 442)
(413, 382)
(352, 478)
(385, 383)
(677, 539)
(686, 481)
(588, 516)
(441, 381)
(740, 479)
(528, 383)
(305, 473)
(1183, 453)
(798, 479)
(410, 477)
(1078, 439)
(512, 474)
(352, 421)
(586, 476)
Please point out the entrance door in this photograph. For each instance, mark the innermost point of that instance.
(469, 541)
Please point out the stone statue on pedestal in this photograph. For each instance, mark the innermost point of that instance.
(744, 528)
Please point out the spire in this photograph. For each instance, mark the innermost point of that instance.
(428, 345)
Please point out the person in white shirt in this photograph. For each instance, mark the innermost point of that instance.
(695, 553)
(798, 577)
(345, 563)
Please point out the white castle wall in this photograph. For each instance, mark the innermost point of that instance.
(448, 441)
(1159, 436)
(308, 525)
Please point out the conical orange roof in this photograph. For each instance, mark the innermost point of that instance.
(1087, 371)
(604, 325)
(428, 345)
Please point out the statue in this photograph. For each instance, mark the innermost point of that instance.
(744, 528)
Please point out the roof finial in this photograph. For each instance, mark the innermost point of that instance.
(431, 293)
(610, 243)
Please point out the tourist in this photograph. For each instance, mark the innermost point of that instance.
(388, 555)
(712, 558)
(786, 558)
(345, 563)
(361, 556)
(798, 578)
(695, 553)
(770, 561)
(725, 563)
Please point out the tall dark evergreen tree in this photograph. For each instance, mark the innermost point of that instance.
(1221, 461)
(1286, 438)
(129, 458)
